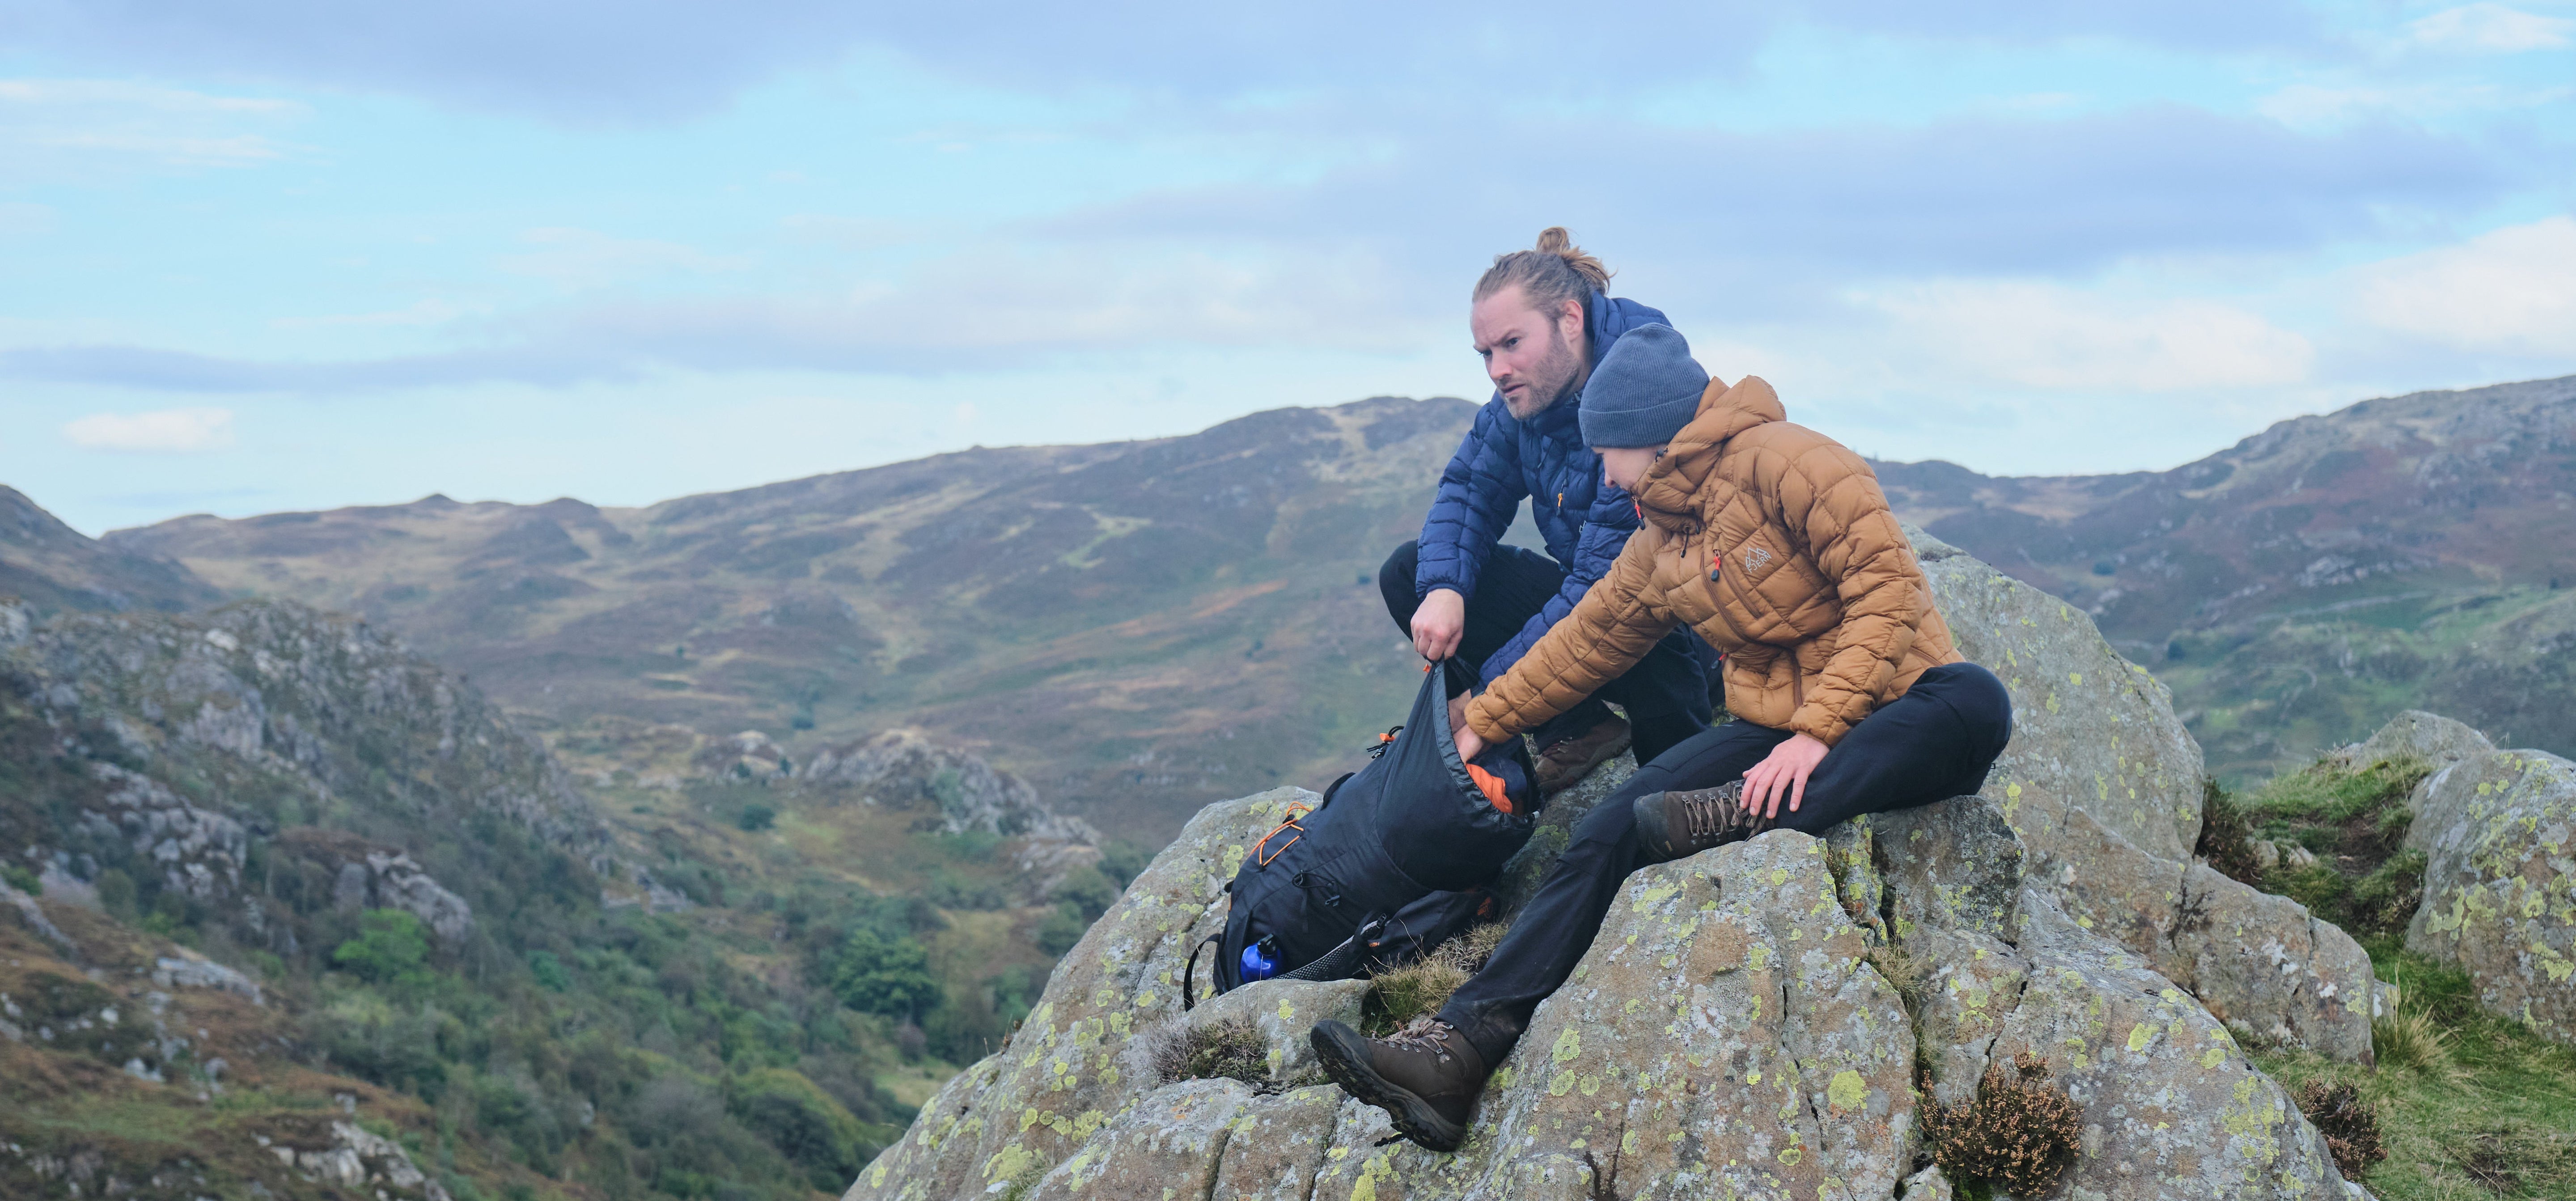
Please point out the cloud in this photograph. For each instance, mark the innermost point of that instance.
(2492, 29)
(990, 308)
(2042, 335)
(2511, 290)
(2309, 105)
(651, 60)
(163, 431)
(581, 258)
(55, 128)
(1758, 221)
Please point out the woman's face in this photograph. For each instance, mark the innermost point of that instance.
(1623, 466)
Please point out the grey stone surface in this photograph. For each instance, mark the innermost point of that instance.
(2500, 882)
(2437, 740)
(2105, 787)
(1745, 1024)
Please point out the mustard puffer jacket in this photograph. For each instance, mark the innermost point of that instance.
(1776, 544)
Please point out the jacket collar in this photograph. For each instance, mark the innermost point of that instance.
(1668, 495)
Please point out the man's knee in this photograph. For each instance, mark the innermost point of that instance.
(1395, 582)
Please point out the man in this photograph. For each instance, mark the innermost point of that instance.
(1541, 320)
(1775, 542)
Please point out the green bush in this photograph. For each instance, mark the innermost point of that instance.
(888, 976)
(756, 818)
(392, 948)
(549, 971)
(23, 880)
(1061, 929)
(806, 1125)
(1087, 889)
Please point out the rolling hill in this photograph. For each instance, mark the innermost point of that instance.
(1137, 627)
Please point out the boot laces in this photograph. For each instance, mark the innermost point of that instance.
(1424, 1034)
(1716, 814)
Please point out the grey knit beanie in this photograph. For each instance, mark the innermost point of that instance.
(1643, 391)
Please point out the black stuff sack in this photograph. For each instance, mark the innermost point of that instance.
(1395, 859)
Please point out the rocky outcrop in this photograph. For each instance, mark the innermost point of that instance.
(2105, 787)
(2500, 881)
(357, 1159)
(2436, 741)
(266, 763)
(1756, 1020)
(903, 769)
(1751, 1021)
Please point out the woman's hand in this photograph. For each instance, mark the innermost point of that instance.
(1783, 775)
(1470, 744)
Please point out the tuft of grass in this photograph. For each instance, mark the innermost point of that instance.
(2226, 838)
(1229, 1049)
(2349, 1121)
(2470, 1105)
(2018, 1134)
(2354, 820)
(1419, 989)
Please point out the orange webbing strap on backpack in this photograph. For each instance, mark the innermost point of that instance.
(1492, 786)
(1295, 811)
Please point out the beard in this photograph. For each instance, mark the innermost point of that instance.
(1555, 377)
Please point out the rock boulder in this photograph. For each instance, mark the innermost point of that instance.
(2105, 787)
(2500, 881)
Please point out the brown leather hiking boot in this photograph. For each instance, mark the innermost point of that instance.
(1563, 763)
(1425, 1076)
(1673, 824)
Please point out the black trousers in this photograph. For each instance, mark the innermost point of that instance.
(1935, 742)
(1669, 694)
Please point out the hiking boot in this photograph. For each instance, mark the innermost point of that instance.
(1671, 825)
(1425, 1076)
(1566, 761)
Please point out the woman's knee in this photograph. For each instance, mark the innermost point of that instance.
(1982, 702)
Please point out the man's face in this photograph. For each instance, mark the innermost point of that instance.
(1534, 361)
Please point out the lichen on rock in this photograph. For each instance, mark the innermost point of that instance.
(2500, 882)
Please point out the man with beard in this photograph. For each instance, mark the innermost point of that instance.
(1541, 320)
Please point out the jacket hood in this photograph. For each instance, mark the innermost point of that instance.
(1668, 495)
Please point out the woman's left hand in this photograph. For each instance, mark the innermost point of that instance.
(1783, 775)
(1470, 744)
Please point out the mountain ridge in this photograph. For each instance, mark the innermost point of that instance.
(1062, 609)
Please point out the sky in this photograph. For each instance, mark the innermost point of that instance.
(259, 255)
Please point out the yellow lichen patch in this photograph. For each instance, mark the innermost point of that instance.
(1848, 1090)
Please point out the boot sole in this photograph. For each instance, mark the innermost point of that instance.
(1344, 1054)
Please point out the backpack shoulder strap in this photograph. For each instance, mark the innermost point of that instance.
(1189, 968)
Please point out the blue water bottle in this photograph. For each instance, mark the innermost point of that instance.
(1258, 962)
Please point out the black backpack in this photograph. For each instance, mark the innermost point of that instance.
(1392, 862)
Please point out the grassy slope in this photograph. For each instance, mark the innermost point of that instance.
(1136, 628)
(2471, 1105)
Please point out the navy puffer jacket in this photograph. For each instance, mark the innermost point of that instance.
(1583, 519)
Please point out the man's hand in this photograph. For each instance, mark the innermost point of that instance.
(1782, 776)
(1470, 744)
(1439, 623)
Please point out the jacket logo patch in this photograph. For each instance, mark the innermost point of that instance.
(1755, 557)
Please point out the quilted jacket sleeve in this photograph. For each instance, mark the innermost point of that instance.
(1480, 491)
(1606, 527)
(1828, 496)
(1620, 618)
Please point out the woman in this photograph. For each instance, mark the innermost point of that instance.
(1776, 545)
